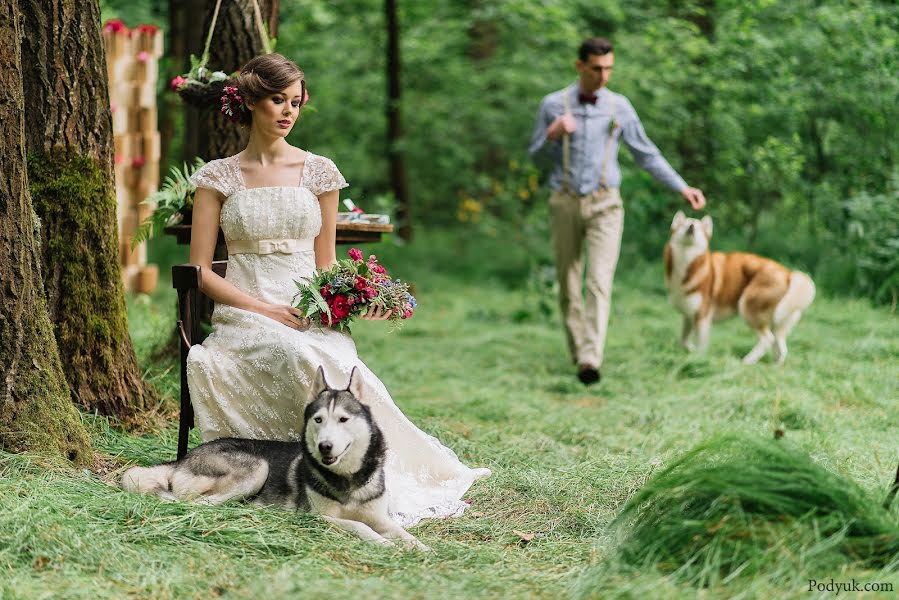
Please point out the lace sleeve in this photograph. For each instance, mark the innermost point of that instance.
(217, 175)
(324, 176)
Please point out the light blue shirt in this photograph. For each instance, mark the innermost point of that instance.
(588, 142)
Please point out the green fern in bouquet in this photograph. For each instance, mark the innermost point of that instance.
(173, 200)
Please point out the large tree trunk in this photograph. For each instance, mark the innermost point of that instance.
(35, 412)
(70, 148)
(395, 124)
(235, 41)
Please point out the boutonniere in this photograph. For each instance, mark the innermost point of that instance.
(613, 125)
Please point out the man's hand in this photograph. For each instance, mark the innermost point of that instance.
(694, 197)
(562, 125)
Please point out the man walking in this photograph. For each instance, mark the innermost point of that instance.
(580, 128)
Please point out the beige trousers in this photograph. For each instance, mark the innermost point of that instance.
(595, 221)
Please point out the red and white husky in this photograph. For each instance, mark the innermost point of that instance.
(710, 286)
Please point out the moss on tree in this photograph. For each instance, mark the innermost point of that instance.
(74, 199)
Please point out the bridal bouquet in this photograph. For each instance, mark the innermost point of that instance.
(335, 296)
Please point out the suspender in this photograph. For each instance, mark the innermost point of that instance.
(566, 152)
(566, 165)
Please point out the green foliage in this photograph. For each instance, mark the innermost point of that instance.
(763, 105)
(173, 201)
(873, 242)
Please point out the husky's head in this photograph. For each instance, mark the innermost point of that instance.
(338, 427)
(690, 235)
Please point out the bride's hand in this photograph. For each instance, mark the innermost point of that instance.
(376, 314)
(287, 315)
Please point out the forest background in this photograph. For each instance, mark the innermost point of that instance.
(784, 113)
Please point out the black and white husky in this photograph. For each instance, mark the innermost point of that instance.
(336, 471)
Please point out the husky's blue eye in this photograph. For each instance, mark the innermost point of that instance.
(344, 419)
(317, 419)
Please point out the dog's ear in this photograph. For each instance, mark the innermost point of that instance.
(679, 218)
(706, 223)
(319, 385)
(355, 384)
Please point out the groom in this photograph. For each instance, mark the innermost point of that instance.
(579, 129)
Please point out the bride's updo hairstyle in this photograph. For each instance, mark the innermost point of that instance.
(263, 76)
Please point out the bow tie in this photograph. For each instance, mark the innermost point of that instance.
(586, 98)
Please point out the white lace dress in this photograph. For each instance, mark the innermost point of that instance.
(251, 376)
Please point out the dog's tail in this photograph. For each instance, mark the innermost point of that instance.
(149, 480)
(799, 296)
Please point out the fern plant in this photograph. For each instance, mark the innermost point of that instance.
(173, 200)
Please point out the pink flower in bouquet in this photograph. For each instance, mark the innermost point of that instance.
(326, 291)
(177, 82)
(361, 283)
(355, 254)
(407, 310)
(378, 269)
(370, 292)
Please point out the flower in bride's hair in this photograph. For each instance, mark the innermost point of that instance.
(355, 254)
(232, 103)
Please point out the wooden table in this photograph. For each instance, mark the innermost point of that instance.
(347, 233)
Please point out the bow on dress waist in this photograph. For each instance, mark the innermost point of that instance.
(272, 246)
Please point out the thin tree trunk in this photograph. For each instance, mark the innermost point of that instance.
(70, 148)
(394, 123)
(35, 412)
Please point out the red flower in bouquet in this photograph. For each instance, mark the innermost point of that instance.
(339, 307)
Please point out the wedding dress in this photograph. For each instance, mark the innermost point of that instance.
(250, 377)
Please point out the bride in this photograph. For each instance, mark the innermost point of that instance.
(277, 207)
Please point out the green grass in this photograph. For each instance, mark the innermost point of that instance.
(501, 391)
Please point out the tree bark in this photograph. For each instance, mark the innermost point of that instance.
(70, 162)
(235, 41)
(35, 412)
(394, 123)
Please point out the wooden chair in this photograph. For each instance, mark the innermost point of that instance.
(193, 305)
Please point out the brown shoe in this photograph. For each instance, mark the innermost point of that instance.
(588, 375)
